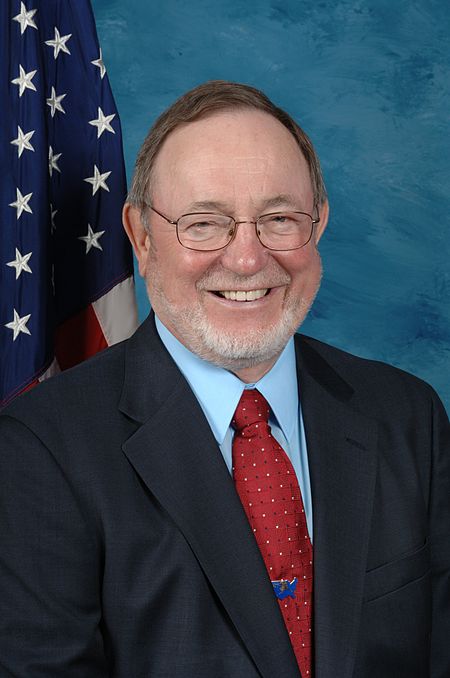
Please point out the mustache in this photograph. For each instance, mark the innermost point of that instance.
(219, 278)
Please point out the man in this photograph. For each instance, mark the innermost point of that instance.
(136, 499)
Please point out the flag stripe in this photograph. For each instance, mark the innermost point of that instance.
(79, 338)
(116, 316)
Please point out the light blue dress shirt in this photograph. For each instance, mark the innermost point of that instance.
(218, 392)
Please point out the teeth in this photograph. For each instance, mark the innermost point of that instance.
(241, 295)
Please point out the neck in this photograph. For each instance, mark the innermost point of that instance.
(250, 375)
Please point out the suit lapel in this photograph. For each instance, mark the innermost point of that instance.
(175, 454)
(342, 462)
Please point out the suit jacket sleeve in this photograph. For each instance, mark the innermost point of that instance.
(440, 541)
(50, 570)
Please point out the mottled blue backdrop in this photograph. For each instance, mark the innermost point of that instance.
(370, 83)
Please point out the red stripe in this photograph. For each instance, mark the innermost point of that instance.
(78, 338)
(35, 382)
(29, 386)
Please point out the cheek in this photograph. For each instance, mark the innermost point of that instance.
(174, 273)
(306, 269)
(299, 261)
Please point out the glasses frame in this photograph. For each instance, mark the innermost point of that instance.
(235, 225)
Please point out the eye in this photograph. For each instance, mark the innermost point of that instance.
(201, 225)
(203, 228)
(280, 223)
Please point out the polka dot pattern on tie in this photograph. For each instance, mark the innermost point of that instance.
(267, 485)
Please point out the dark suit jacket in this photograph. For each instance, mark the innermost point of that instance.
(124, 549)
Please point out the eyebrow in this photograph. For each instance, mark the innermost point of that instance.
(207, 206)
(283, 199)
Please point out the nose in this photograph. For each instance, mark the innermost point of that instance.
(245, 255)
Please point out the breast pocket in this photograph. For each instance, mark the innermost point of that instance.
(400, 572)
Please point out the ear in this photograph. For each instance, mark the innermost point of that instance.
(324, 210)
(139, 238)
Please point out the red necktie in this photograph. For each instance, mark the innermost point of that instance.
(269, 491)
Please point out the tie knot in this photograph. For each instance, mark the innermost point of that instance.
(252, 408)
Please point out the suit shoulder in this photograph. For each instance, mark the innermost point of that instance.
(367, 375)
(93, 380)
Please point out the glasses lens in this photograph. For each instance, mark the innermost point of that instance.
(205, 231)
(285, 230)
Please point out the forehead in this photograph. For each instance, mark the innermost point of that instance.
(230, 151)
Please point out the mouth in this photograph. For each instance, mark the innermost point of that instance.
(242, 295)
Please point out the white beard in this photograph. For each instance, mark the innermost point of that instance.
(235, 351)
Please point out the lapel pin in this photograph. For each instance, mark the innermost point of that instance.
(284, 588)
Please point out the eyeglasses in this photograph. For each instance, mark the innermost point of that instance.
(208, 232)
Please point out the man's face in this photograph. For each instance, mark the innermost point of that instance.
(242, 164)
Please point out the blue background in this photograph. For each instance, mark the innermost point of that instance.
(370, 83)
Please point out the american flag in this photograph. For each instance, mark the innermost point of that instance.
(66, 270)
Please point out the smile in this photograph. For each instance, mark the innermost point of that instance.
(242, 295)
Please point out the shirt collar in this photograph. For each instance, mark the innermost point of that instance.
(218, 391)
(279, 388)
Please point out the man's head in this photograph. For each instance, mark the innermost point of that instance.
(225, 148)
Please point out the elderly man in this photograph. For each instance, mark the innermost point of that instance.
(219, 497)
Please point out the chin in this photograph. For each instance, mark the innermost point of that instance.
(237, 350)
(242, 348)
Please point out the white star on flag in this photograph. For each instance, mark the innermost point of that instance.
(53, 161)
(103, 122)
(99, 63)
(19, 324)
(24, 80)
(23, 141)
(91, 239)
(54, 101)
(59, 43)
(52, 217)
(98, 180)
(21, 203)
(25, 18)
(20, 263)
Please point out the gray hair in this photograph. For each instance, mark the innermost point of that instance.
(205, 100)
